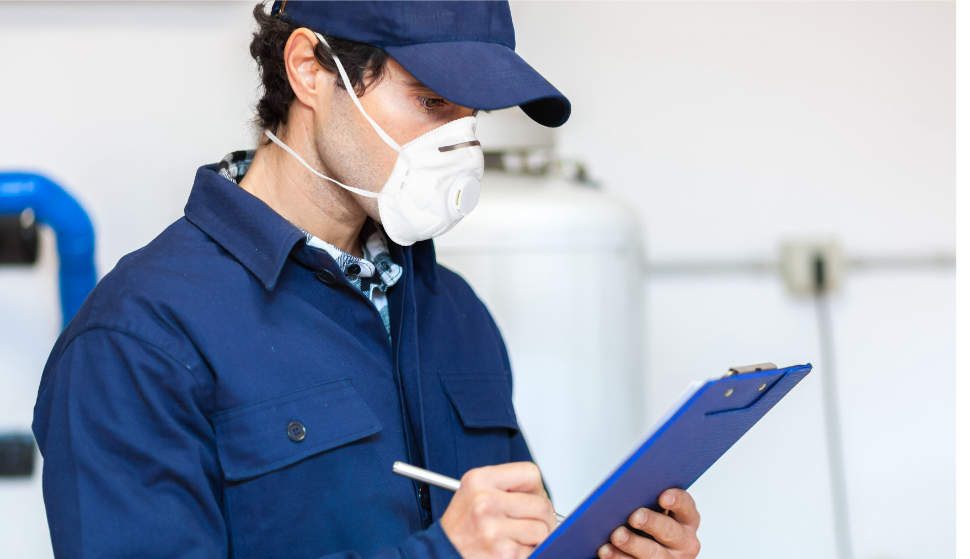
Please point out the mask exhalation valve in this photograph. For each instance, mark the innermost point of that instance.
(465, 194)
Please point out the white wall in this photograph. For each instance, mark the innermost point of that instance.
(731, 127)
(728, 126)
(791, 117)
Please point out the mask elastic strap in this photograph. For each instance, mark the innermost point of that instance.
(353, 96)
(277, 141)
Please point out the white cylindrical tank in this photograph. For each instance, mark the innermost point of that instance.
(558, 265)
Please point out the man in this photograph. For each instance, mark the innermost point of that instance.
(242, 385)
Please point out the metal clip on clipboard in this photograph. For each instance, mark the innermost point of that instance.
(751, 369)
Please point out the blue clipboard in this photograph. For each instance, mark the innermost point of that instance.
(681, 448)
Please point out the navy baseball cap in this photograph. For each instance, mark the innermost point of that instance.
(463, 51)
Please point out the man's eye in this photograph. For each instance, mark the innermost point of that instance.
(429, 104)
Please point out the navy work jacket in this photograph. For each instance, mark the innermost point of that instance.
(226, 392)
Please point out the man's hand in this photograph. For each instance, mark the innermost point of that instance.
(675, 534)
(500, 512)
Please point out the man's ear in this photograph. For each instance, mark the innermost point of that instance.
(307, 78)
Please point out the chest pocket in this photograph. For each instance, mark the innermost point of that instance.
(488, 422)
(302, 475)
(265, 436)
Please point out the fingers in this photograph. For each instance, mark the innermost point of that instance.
(666, 530)
(625, 543)
(524, 532)
(521, 477)
(499, 511)
(681, 506)
(531, 507)
(507, 538)
(676, 532)
(609, 551)
(520, 506)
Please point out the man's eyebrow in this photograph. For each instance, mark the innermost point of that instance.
(417, 84)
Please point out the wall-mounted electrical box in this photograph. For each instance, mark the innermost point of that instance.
(811, 267)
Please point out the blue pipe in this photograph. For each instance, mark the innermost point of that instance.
(75, 235)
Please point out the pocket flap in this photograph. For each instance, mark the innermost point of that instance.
(268, 435)
(482, 401)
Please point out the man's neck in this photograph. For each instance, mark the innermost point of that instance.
(315, 205)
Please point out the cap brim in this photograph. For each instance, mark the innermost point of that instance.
(484, 76)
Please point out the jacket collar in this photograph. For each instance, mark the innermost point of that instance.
(242, 224)
(258, 237)
(426, 264)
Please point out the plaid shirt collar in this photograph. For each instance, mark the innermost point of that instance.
(376, 264)
(373, 274)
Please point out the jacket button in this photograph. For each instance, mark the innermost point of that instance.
(424, 496)
(327, 277)
(296, 431)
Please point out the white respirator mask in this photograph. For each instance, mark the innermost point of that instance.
(435, 182)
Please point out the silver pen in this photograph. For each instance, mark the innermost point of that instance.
(438, 480)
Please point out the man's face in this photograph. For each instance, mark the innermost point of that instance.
(403, 107)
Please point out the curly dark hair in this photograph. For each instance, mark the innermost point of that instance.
(364, 64)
